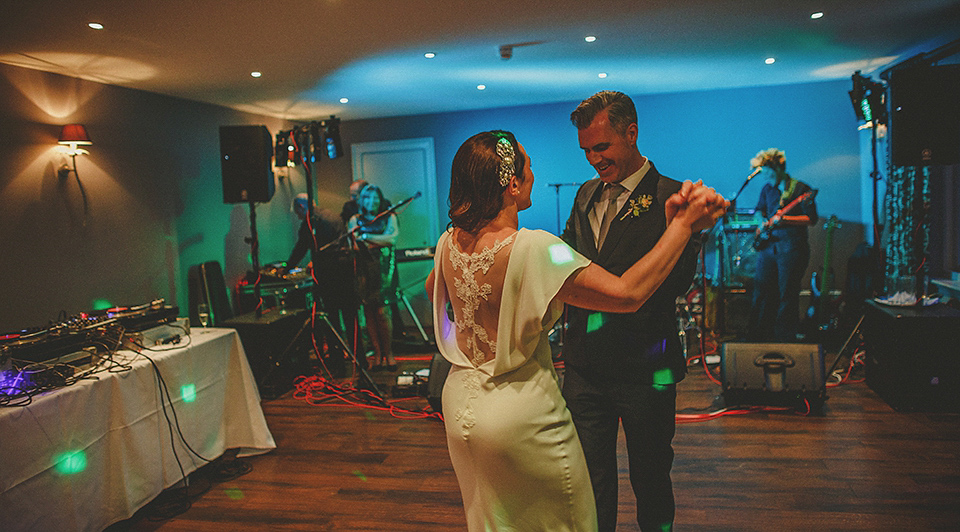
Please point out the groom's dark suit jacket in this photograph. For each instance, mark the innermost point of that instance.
(643, 346)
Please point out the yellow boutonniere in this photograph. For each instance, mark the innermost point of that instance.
(638, 205)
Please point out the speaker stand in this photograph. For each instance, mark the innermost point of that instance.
(254, 242)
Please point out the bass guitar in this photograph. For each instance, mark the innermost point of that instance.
(762, 239)
(821, 315)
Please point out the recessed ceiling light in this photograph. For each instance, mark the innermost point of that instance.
(95, 25)
(602, 75)
(481, 87)
(429, 55)
(590, 38)
(770, 60)
(818, 14)
(256, 74)
(344, 100)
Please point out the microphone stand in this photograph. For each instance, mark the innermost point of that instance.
(556, 188)
(721, 257)
(388, 212)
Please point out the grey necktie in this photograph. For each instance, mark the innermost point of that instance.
(612, 191)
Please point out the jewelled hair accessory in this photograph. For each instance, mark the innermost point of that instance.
(506, 154)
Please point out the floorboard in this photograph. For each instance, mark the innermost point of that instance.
(861, 466)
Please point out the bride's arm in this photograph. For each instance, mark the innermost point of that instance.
(595, 288)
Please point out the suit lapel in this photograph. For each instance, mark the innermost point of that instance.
(647, 186)
(585, 200)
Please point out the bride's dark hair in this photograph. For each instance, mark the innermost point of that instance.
(476, 195)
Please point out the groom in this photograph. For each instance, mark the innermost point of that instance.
(623, 368)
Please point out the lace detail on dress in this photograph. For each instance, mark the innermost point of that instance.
(471, 293)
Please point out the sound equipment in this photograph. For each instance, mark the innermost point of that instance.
(278, 288)
(51, 343)
(245, 153)
(415, 254)
(925, 120)
(912, 359)
(728, 310)
(789, 375)
(275, 347)
(439, 368)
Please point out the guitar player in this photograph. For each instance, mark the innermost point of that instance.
(783, 250)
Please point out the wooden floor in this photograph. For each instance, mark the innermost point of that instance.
(860, 466)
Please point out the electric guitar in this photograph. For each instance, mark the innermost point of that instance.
(762, 239)
(820, 313)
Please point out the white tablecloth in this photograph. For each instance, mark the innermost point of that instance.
(88, 455)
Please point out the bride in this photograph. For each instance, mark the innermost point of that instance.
(510, 436)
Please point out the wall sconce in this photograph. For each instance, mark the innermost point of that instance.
(73, 135)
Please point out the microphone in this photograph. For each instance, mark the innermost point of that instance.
(754, 174)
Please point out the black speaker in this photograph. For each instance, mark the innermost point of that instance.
(925, 118)
(773, 374)
(439, 368)
(245, 153)
(278, 346)
(912, 358)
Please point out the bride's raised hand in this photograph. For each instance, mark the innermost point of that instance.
(679, 199)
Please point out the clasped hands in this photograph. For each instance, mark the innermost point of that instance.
(696, 205)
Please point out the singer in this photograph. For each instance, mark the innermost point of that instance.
(374, 233)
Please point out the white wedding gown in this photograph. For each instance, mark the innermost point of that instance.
(511, 438)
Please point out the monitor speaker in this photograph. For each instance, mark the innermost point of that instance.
(790, 375)
(925, 115)
(245, 156)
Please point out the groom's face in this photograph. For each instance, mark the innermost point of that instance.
(614, 156)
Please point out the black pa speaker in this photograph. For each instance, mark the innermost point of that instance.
(278, 347)
(773, 374)
(925, 121)
(439, 368)
(245, 154)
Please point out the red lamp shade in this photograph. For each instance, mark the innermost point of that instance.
(74, 134)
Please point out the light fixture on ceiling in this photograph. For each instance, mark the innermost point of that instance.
(429, 55)
(344, 100)
(95, 25)
(481, 87)
(816, 15)
(256, 73)
(590, 38)
(602, 75)
(770, 60)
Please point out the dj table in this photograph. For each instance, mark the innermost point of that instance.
(87, 455)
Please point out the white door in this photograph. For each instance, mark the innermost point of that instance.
(402, 169)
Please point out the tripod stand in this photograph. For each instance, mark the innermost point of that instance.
(365, 381)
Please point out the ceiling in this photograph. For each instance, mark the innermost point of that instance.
(312, 53)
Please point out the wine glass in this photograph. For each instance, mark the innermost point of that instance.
(203, 314)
